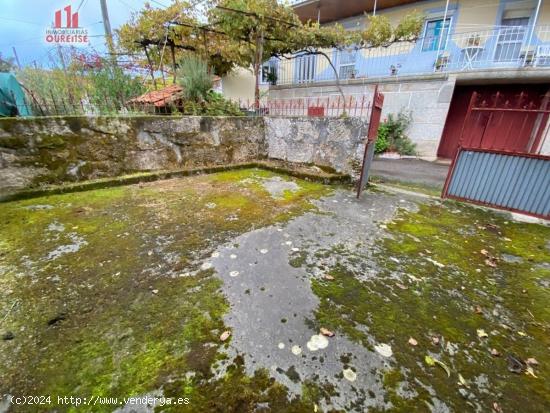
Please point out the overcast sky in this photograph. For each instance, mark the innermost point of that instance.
(23, 23)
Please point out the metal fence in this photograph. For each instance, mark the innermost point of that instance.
(353, 105)
(496, 48)
(516, 182)
(356, 105)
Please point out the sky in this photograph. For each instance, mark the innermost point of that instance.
(23, 24)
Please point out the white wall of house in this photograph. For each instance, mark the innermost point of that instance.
(239, 85)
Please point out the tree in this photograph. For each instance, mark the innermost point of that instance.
(248, 32)
(162, 37)
(262, 27)
(274, 29)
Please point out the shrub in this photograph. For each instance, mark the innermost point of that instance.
(200, 99)
(195, 78)
(55, 92)
(109, 86)
(392, 136)
(381, 144)
(214, 104)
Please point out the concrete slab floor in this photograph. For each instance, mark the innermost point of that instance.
(128, 292)
(414, 171)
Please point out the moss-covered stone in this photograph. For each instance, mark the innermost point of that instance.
(109, 297)
(445, 272)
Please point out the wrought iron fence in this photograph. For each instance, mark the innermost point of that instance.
(356, 105)
(352, 105)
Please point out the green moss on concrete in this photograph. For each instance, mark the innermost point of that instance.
(51, 142)
(433, 281)
(407, 186)
(129, 310)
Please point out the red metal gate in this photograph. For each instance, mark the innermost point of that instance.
(500, 123)
(507, 118)
(372, 134)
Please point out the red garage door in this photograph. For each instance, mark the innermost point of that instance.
(515, 129)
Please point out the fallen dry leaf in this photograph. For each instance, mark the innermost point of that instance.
(481, 333)
(435, 340)
(478, 310)
(384, 350)
(326, 332)
(532, 361)
(491, 262)
(349, 374)
(530, 372)
(515, 365)
(225, 335)
(413, 342)
(497, 408)
(430, 361)
(484, 252)
(462, 381)
(329, 277)
(493, 228)
(495, 352)
(403, 287)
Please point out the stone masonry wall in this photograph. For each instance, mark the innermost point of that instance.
(332, 142)
(56, 150)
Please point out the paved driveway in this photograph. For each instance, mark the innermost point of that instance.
(415, 171)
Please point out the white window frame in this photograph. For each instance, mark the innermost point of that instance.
(354, 52)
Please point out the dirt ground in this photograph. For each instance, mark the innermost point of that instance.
(249, 291)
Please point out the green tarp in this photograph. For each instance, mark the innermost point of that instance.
(12, 97)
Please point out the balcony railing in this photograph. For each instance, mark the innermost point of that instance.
(499, 48)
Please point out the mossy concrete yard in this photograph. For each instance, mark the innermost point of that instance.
(128, 291)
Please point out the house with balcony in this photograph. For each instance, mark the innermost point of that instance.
(465, 46)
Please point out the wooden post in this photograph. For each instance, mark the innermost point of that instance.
(173, 59)
(150, 67)
(16, 57)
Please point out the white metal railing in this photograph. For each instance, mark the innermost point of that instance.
(502, 47)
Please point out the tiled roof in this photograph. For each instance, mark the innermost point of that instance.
(159, 97)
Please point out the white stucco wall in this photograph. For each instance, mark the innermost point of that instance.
(239, 85)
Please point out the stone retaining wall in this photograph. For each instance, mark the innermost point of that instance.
(330, 142)
(54, 150)
(66, 149)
